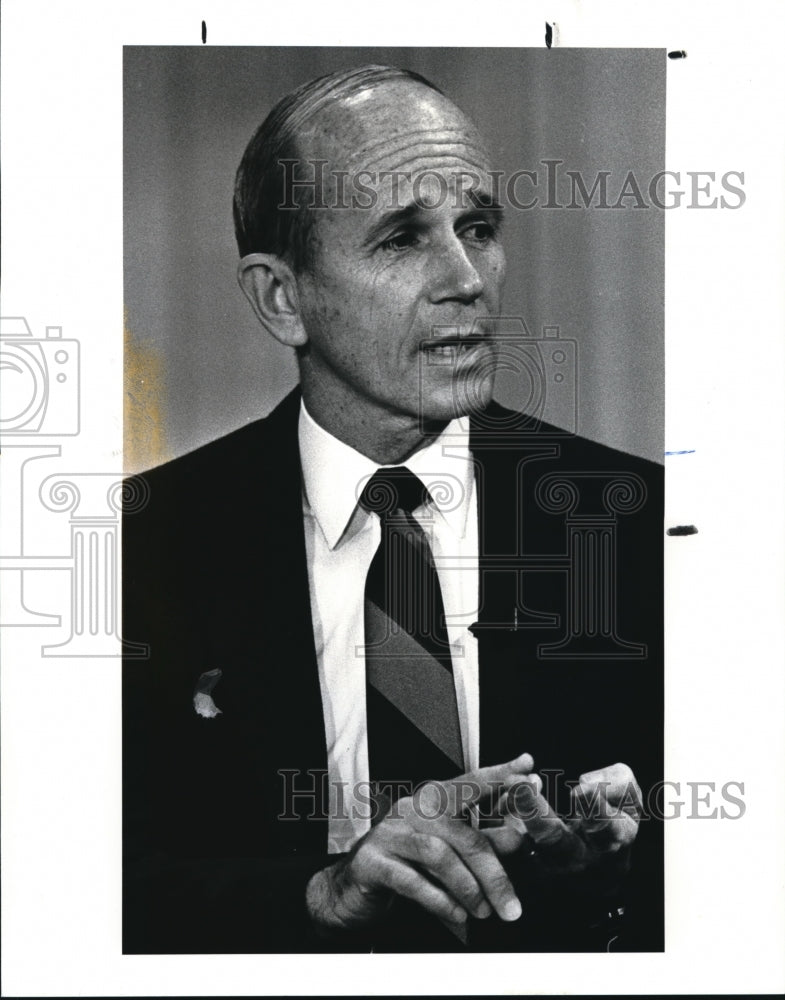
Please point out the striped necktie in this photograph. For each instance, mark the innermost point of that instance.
(412, 712)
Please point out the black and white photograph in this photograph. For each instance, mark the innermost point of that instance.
(376, 533)
(373, 624)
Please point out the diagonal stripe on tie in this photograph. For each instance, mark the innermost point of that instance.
(417, 685)
(412, 713)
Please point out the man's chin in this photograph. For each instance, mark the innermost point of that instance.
(462, 398)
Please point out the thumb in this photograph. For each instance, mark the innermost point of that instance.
(508, 837)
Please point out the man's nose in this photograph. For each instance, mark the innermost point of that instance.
(454, 275)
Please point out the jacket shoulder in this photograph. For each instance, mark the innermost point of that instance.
(244, 444)
(247, 458)
(498, 430)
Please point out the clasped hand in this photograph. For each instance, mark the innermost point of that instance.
(426, 850)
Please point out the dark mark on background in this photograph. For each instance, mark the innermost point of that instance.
(684, 451)
(548, 35)
(677, 54)
(683, 529)
(204, 32)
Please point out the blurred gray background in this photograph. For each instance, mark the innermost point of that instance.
(197, 363)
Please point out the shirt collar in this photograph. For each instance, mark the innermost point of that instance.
(333, 472)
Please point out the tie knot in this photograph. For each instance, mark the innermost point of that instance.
(393, 489)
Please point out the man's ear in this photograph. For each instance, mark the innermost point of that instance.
(271, 288)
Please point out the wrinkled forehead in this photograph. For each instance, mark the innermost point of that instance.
(398, 125)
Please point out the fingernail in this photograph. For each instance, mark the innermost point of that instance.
(511, 910)
(484, 909)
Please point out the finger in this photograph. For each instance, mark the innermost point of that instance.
(618, 785)
(507, 838)
(498, 773)
(442, 864)
(550, 834)
(606, 828)
(532, 779)
(477, 854)
(470, 788)
(543, 824)
(406, 881)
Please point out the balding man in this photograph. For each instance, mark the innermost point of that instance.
(331, 744)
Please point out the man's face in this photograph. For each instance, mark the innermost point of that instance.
(416, 263)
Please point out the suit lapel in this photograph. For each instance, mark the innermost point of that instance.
(506, 462)
(571, 711)
(297, 726)
(271, 684)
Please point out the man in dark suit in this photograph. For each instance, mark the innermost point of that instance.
(252, 572)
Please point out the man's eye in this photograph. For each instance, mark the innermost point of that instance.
(480, 232)
(400, 241)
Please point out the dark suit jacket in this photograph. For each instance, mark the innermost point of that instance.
(215, 577)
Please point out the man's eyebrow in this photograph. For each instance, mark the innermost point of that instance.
(486, 202)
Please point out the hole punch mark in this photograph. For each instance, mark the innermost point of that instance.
(677, 54)
(683, 529)
(204, 32)
(548, 35)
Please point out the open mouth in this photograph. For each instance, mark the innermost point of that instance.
(453, 348)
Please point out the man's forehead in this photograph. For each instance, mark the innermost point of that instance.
(394, 125)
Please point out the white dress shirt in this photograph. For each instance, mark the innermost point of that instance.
(341, 539)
